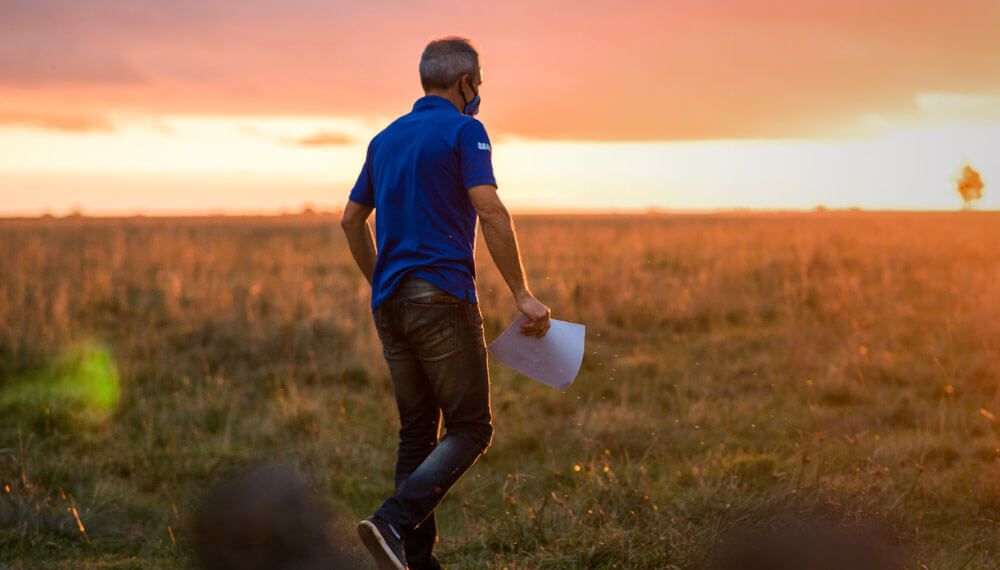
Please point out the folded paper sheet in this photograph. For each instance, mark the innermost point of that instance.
(553, 359)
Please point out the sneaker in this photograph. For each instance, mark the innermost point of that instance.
(385, 544)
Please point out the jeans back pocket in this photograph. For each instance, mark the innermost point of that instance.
(432, 328)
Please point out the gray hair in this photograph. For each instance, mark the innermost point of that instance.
(445, 60)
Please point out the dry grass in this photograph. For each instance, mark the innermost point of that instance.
(742, 371)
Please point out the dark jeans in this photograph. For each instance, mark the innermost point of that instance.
(433, 343)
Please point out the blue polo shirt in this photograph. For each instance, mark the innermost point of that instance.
(416, 176)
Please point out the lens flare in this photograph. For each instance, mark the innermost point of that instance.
(81, 383)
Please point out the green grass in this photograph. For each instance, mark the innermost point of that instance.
(741, 372)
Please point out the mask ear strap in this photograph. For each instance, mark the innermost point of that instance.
(466, 104)
(461, 91)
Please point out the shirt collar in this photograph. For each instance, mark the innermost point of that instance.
(433, 102)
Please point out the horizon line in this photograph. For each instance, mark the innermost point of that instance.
(308, 212)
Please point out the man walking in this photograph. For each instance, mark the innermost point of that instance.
(429, 175)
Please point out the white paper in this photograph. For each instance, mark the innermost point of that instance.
(553, 359)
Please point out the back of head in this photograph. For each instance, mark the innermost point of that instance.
(445, 60)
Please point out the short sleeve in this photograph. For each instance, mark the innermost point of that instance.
(476, 155)
(364, 192)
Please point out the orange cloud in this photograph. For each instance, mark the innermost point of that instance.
(636, 70)
(57, 121)
(325, 138)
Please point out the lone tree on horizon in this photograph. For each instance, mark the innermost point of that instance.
(970, 186)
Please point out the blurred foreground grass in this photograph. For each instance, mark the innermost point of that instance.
(740, 371)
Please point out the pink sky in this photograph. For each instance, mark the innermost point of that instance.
(628, 70)
(683, 70)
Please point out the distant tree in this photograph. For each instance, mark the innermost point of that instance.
(970, 186)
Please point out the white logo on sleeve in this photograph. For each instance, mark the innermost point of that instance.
(484, 146)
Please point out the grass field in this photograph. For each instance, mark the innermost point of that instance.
(743, 373)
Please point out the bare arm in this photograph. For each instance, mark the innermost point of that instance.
(359, 237)
(498, 231)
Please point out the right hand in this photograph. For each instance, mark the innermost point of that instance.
(537, 313)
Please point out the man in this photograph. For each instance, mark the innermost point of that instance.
(429, 175)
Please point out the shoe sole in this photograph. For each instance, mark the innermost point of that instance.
(375, 544)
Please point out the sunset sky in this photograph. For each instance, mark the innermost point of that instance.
(125, 106)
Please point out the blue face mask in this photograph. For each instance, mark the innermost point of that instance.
(472, 107)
